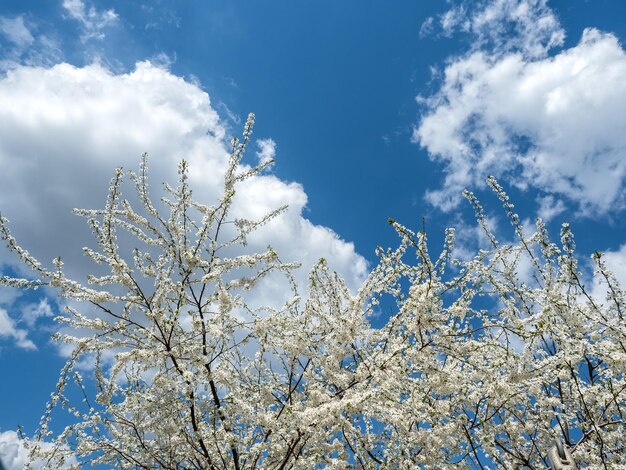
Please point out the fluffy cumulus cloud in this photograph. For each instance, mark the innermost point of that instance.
(64, 129)
(14, 453)
(554, 123)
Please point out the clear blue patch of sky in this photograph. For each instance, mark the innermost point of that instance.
(27, 377)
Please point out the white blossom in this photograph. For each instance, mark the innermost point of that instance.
(474, 366)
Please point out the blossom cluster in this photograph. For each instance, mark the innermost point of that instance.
(474, 367)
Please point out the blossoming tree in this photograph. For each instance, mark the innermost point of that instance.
(475, 367)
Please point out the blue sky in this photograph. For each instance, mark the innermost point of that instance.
(373, 110)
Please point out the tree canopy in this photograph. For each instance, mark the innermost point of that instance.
(483, 361)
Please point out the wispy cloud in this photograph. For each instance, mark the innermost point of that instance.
(16, 31)
(526, 26)
(93, 22)
(25, 44)
(159, 16)
(31, 313)
(550, 206)
(9, 330)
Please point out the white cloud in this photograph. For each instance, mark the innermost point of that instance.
(64, 129)
(427, 27)
(550, 207)
(8, 295)
(8, 329)
(267, 150)
(471, 237)
(615, 262)
(526, 26)
(33, 312)
(556, 124)
(14, 454)
(92, 21)
(26, 45)
(16, 31)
